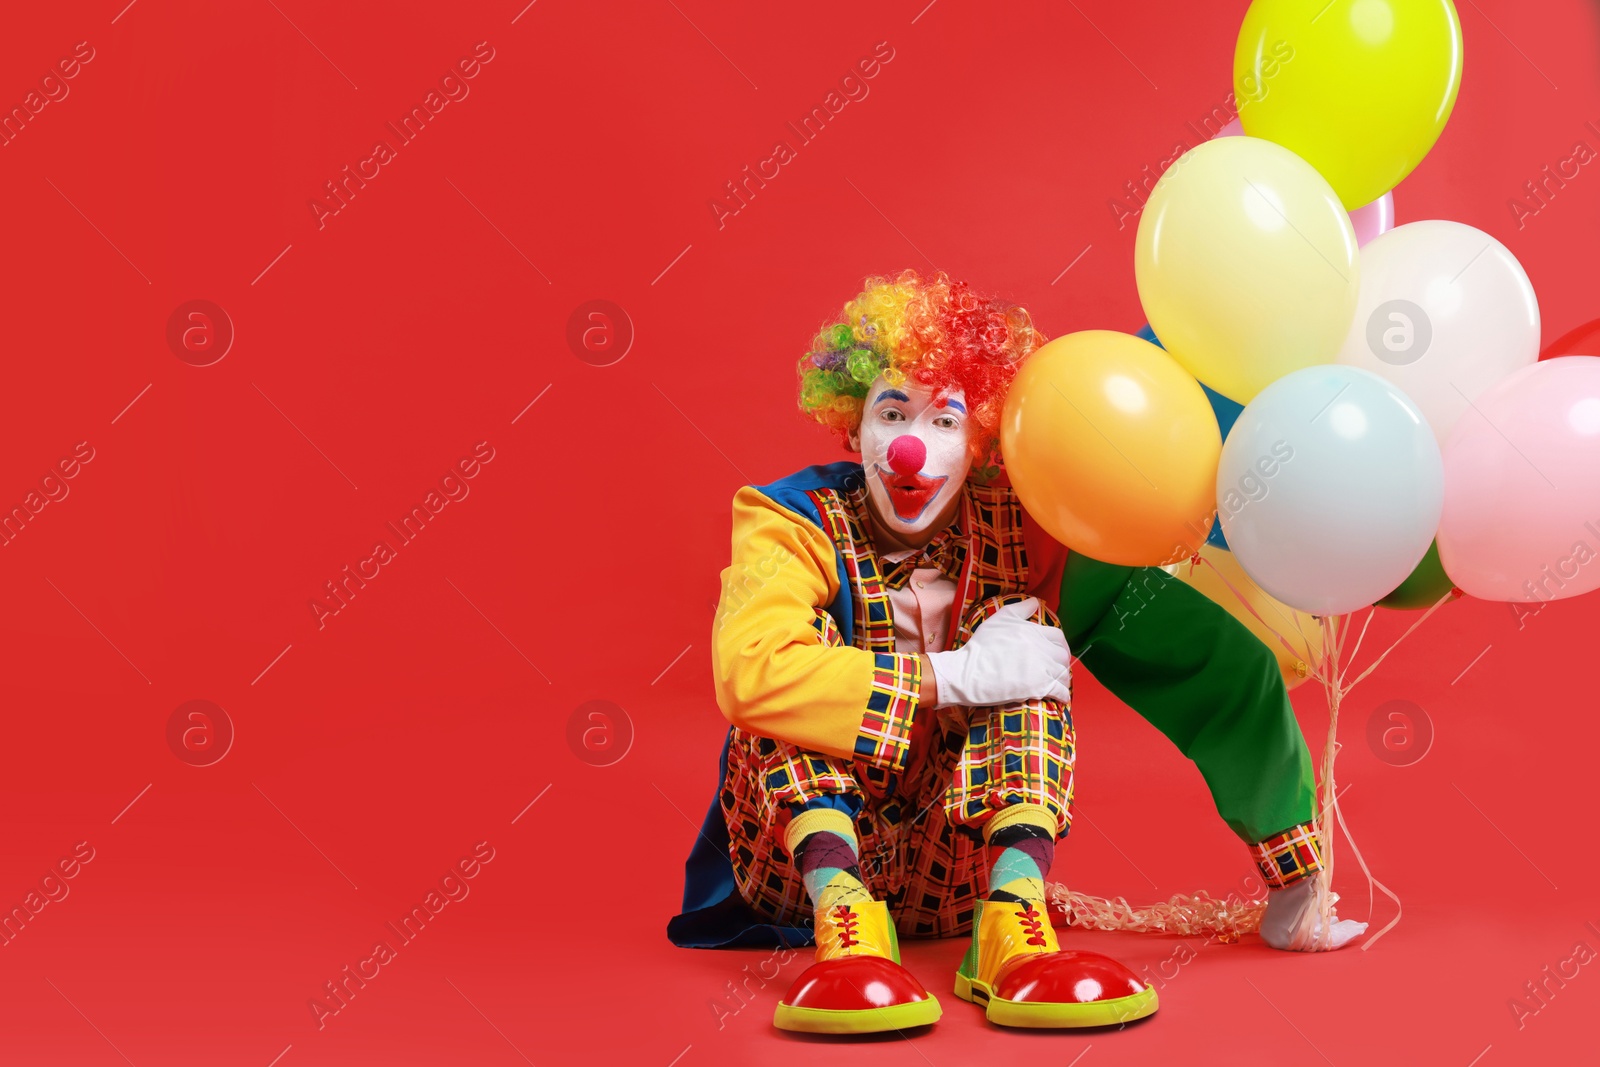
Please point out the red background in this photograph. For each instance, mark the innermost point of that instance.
(373, 753)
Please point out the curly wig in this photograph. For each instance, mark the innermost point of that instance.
(934, 332)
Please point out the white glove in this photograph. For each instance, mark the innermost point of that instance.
(1009, 658)
(1286, 925)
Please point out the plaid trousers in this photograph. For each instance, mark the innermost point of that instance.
(921, 845)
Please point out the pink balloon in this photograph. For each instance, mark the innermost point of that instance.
(1374, 219)
(1232, 129)
(1521, 515)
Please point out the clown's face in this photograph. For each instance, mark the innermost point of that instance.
(914, 452)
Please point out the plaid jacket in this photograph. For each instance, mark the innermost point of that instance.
(798, 547)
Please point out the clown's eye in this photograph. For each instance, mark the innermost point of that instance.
(947, 422)
(893, 415)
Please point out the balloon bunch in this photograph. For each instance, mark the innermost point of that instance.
(1356, 410)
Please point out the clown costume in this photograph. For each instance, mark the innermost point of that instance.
(894, 647)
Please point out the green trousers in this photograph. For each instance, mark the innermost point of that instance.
(1200, 677)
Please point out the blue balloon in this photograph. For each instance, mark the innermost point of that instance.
(1330, 487)
(1226, 411)
(1216, 536)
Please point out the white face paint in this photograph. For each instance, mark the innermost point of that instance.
(913, 500)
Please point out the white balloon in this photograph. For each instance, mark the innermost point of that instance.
(1445, 312)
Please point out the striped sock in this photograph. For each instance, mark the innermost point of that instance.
(826, 856)
(1020, 853)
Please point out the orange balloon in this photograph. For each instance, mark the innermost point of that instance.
(1113, 449)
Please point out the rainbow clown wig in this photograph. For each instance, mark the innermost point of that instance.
(935, 332)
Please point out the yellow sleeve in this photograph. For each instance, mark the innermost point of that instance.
(775, 675)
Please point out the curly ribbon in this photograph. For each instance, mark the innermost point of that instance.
(1186, 914)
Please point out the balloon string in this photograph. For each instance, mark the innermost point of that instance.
(1317, 922)
(1336, 689)
(1371, 882)
(1436, 604)
(1356, 651)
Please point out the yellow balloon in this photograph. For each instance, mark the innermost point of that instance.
(1303, 631)
(1359, 89)
(1246, 265)
(1112, 448)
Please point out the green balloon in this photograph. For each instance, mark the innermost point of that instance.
(1426, 585)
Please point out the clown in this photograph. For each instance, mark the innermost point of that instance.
(894, 648)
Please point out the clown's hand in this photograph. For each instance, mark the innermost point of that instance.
(1009, 658)
(1290, 922)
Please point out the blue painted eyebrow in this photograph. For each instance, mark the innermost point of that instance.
(892, 394)
(958, 405)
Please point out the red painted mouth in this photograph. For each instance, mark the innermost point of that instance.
(911, 493)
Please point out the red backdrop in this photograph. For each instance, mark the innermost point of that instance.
(421, 320)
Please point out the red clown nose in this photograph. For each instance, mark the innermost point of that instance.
(907, 454)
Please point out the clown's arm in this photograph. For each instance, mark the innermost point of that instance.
(775, 675)
(1203, 679)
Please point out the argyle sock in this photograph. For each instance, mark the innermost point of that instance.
(823, 844)
(1022, 842)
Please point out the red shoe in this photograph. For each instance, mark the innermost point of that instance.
(1017, 969)
(857, 985)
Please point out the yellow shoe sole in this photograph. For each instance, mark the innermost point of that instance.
(1018, 1013)
(858, 1021)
